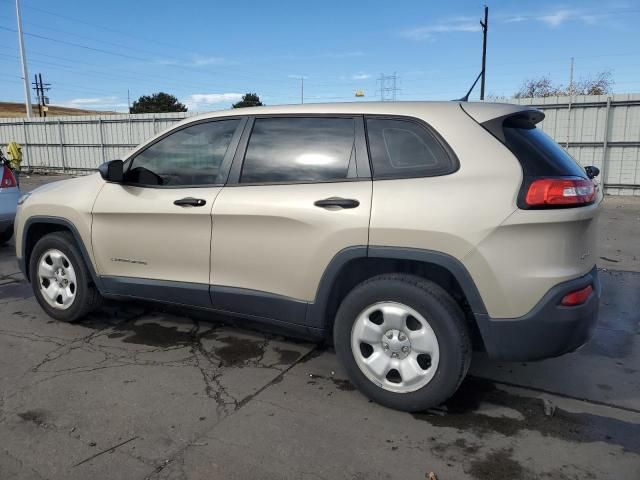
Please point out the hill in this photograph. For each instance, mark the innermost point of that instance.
(14, 109)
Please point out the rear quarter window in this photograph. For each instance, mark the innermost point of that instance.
(402, 148)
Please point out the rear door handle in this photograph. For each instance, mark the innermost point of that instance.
(190, 202)
(337, 202)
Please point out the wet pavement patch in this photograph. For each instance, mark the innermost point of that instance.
(38, 417)
(286, 357)
(498, 465)
(609, 343)
(462, 444)
(341, 384)
(15, 291)
(152, 334)
(238, 351)
(461, 412)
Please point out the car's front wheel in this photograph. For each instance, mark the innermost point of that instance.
(403, 341)
(61, 282)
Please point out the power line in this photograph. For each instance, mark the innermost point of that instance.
(72, 44)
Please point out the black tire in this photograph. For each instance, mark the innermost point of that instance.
(87, 297)
(444, 316)
(6, 235)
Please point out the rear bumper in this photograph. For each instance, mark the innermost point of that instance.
(5, 222)
(549, 330)
(8, 205)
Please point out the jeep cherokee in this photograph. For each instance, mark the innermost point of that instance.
(408, 232)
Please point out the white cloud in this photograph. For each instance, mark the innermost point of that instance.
(556, 18)
(92, 101)
(195, 61)
(355, 53)
(203, 61)
(360, 76)
(198, 101)
(95, 103)
(458, 24)
(515, 19)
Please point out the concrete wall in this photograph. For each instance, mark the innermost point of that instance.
(597, 130)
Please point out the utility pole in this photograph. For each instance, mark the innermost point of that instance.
(23, 59)
(485, 28)
(570, 102)
(37, 89)
(302, 89)
(571, 78)
(40, 88)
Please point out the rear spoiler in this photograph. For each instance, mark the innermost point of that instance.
(494, 117)
(483, 112)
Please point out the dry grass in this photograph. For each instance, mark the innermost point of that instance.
(11, 109)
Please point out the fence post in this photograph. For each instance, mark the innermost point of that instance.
(102, 151)
(605, 144)
(26, 143)
(64, 166)
(569, 120)
(154, 124)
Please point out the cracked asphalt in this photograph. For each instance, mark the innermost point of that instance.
(142, 391)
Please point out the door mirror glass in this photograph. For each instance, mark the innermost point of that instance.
(112, 171)
(592, 172)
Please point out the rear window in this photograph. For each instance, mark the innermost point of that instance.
(539, 154)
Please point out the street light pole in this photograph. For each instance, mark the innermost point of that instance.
(23, 58)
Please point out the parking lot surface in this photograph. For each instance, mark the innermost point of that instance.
(143, 391)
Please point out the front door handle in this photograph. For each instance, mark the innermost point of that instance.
(190, 202)
(337, 202)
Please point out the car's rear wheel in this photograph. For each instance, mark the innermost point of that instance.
(60, 279)
(403, 341)
(6, 235)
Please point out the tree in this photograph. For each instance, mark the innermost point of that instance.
(600, 84)
(537, 87)
(157, 103)
(248, 100)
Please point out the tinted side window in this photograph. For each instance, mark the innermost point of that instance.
(298, 150)
(190, 156)
(402, 148)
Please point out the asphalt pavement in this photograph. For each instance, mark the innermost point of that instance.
(143, 391)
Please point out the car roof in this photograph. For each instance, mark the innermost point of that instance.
(481, 111)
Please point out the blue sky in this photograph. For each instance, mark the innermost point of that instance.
(208, 53)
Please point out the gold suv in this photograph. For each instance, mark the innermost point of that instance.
(406, 231)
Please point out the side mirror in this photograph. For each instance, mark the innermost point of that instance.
(112, 171)
(592, 172)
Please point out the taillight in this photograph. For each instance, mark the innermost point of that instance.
(567, 191)
(578, 297)
(8, 180)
